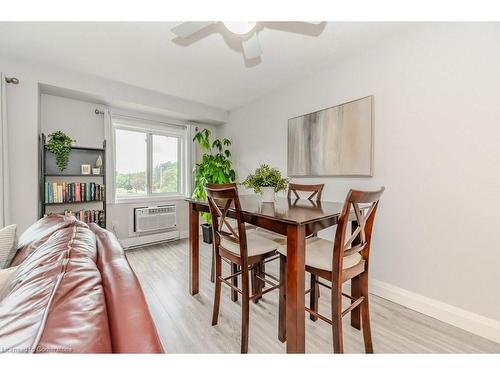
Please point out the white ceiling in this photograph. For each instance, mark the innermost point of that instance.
(208, 68)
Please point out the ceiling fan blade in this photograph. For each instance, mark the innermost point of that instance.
(251, 47)
(187, 29)
(311, 28)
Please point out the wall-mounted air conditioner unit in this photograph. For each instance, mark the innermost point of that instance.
(152, 225)
(153, 219)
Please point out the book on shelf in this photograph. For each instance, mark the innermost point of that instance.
(71, 192)
(88, 216)
(77, 192)
(60, 195)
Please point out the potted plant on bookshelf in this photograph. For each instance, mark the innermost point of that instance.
(266, 181)
(60, 145)
(215, 167)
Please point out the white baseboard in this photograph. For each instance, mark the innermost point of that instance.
(466, 320)
(131, 242)
(185, 234)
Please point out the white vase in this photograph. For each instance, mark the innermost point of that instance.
(268, 194)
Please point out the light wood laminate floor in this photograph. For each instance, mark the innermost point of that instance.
(184, 321)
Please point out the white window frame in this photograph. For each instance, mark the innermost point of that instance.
(162, 128)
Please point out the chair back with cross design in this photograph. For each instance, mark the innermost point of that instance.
(221, 198)
(361, 206)
(313, 190)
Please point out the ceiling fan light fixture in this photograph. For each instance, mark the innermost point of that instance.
(246, 31)
(239, 28)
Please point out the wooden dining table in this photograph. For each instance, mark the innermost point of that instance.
(296, 219)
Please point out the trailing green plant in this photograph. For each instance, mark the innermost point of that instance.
(60, 145)
(215, 166)
(265, 176)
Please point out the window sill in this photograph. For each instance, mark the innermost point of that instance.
(149, 199)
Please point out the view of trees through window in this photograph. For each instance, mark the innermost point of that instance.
(165, 164)
(132, 163)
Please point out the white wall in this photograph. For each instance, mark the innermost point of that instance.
(23, 123)
(24, 104)
(437, 149)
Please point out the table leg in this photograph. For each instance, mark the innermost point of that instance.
(194, 250)
(295, 289)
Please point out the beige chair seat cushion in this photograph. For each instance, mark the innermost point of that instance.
(256, 244)
(319, 254)
(276, 237)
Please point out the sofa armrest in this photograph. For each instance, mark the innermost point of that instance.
(131, 325)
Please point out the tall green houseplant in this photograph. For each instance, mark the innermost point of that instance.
(215, 166)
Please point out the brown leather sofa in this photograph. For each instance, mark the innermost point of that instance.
(73, 292)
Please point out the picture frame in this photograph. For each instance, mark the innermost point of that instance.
(336, 141)
(86, 168)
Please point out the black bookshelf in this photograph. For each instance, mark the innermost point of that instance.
(67, 203)
(72, 175)
(50, 172)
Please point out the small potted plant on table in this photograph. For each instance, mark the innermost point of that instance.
(215, 167)
(266, 181)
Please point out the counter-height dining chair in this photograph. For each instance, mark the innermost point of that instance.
(314, 191)
(246, 249)
(346, 258)
(310, 192)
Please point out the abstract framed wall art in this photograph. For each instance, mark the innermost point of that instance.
(336, 141)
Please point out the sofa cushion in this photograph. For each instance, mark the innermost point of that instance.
(56, 303)
(7, 245)
(38, 233)
(130, 323)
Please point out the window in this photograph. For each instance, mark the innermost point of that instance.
(131, 162)
(149, 160)
(165, 164)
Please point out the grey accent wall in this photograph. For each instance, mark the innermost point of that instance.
(75, 117)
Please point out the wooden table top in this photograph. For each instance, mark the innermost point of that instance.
(294, 211)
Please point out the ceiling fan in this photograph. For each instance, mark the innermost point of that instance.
(246, 31)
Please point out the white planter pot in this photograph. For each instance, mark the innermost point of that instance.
(268, 194)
